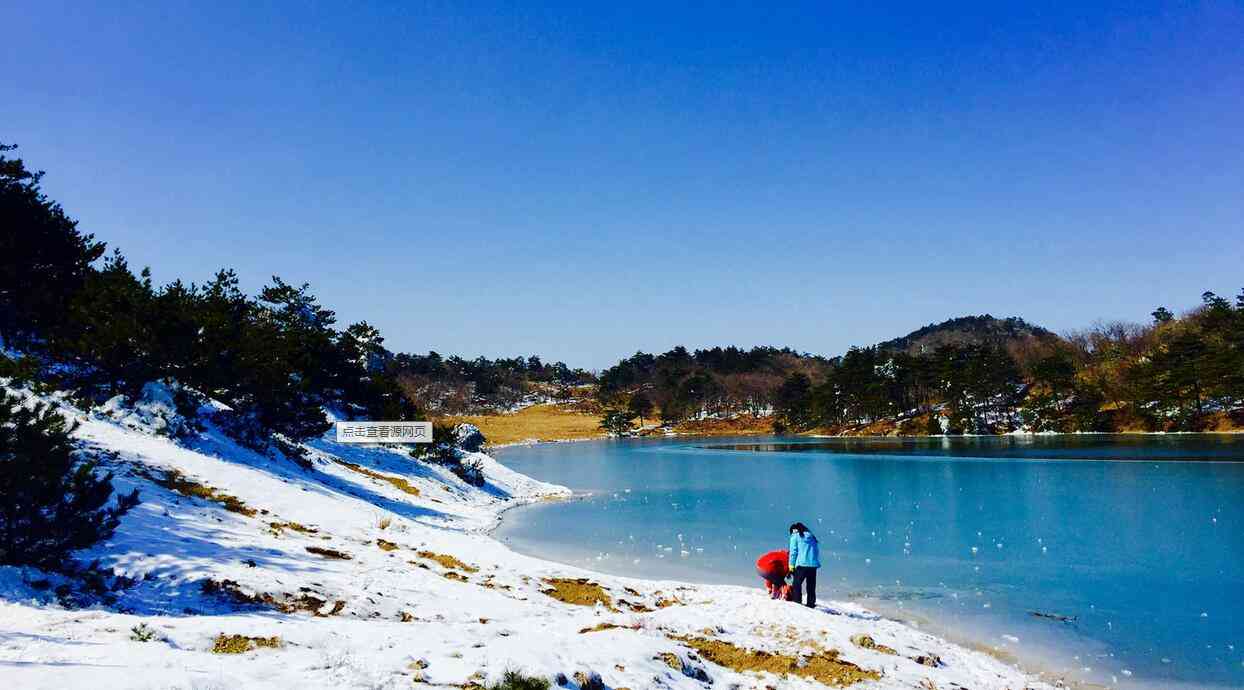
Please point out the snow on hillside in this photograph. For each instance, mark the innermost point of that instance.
(375, 571)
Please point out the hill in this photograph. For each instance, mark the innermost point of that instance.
(984, 329)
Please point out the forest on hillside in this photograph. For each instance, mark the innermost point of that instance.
(986, 376)
(74, 317)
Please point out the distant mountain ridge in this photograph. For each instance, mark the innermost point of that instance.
(966, 330)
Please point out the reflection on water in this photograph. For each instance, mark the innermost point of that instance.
(1135, 564)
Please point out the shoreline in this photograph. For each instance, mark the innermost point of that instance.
(1030, 664)
(1043, 434)
(405, 580)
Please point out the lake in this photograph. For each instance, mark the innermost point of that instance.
(1138, 541)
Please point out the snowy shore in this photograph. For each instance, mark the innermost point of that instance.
(374, 571)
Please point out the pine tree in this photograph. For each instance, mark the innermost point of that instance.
(793, 401)
(108, 326)
(44, 260)
(640, 406)
(616, 422)
(50, 504)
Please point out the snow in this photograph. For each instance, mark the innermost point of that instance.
(400, 612)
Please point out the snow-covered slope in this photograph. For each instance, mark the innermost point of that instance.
(376, 571)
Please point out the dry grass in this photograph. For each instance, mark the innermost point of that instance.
(823, 667)
(739, 426)
(580, 592)
(538, 422)
(329, 553)
(490, 583)
(278, 528)
(601, 627)
(867, 642)
(1223, 422)
(178, 482)
(386, 545)
(446, 561)
(455, 576)
(240, 644)
(881, 427)
(672, 660)
(398, 482)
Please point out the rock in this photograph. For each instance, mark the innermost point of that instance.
(468, 437)
(931, 660)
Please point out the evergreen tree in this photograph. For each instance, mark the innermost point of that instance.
(50, 504)
(175, 331)
(44, 259)
(640, 406)
(223, 315)
(107, 327)
(616, 422)
(284, 353)
(792, 403)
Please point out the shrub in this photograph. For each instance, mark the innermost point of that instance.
(143, 633)
(50, 503)
(21, 370)
(240, 644)
(441, 449)
(516, 680)
(616, 422)
(471, 471)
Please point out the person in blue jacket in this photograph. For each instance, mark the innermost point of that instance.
(805, 558)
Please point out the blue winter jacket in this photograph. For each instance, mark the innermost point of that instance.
(804, 550)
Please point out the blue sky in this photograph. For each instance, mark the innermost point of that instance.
(583, 181)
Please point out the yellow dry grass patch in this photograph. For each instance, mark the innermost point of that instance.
(240, 644)
(446, 561)
(329, 553)
(386, 545)
(178, 482)
(867, 642)
(824, 667)
(739, 426)
(400, 483)
(578, 591)
(278, 528)
(538, 422)
(601, 627)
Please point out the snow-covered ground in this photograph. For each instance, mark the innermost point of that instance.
(396, 613)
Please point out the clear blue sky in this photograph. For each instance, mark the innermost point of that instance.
(581, 182)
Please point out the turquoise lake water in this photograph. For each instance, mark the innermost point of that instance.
(1138, 540)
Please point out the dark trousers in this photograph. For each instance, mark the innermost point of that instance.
(804, 574)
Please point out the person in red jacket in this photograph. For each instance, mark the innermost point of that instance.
(772, 569)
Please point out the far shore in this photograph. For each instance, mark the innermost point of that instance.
(563, 423)
(689, 435)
